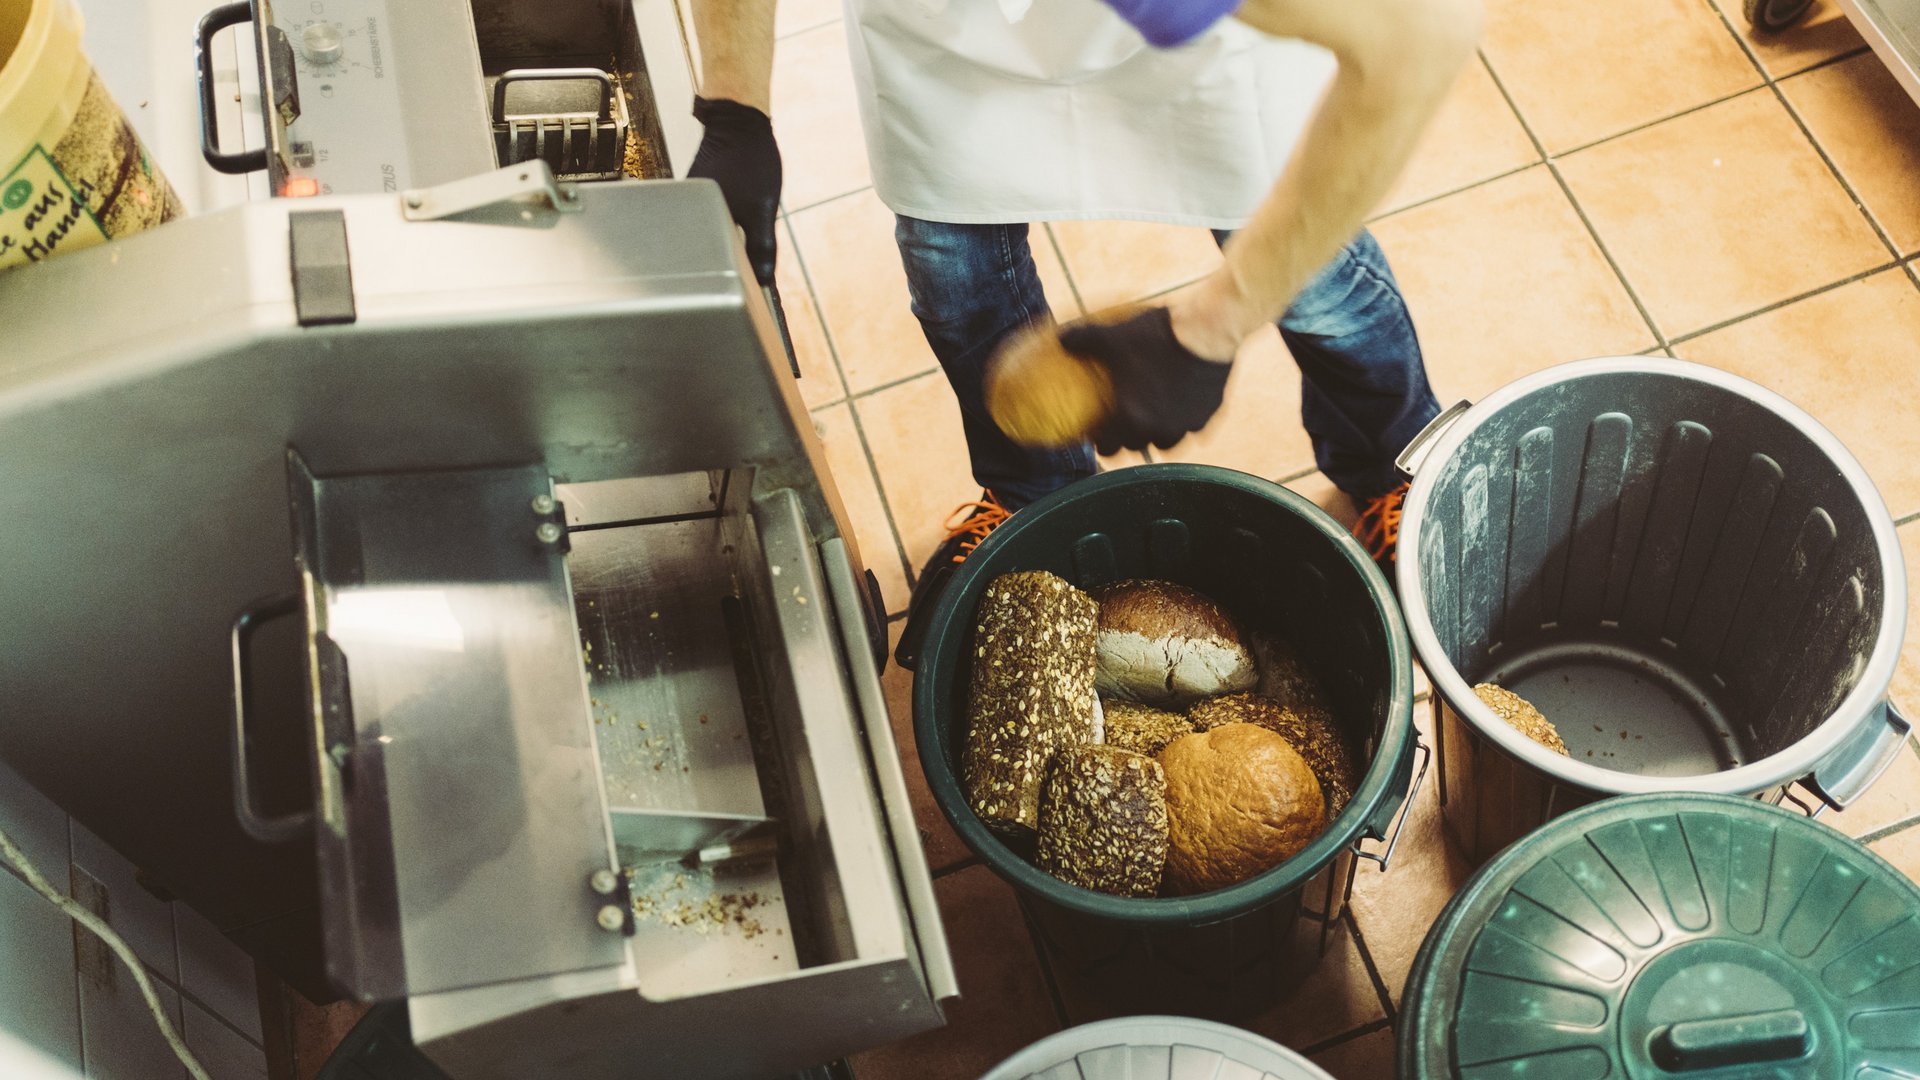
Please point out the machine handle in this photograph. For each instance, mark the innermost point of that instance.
(1853, 775)
(1415, 454)
(220, 18)
(552, 75)
(267, 830)
(1406, 809)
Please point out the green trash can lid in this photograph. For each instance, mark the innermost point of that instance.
(1672, 936)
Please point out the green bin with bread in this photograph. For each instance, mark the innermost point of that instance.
(1172, 706)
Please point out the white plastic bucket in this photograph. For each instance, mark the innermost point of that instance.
(72, 170)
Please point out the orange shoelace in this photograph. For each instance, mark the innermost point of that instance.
(975, 520)
(1378, 529)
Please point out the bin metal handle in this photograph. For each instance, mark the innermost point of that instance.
(1840, 788)
(1406, 810)
(267, 830)
(1416, 452)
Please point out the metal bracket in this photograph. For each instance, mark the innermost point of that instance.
(1406, 809)
(527, 182)
(1415, 452)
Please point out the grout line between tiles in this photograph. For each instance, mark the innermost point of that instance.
(818, 203)
(1579, 211)
(1778, 304)
(1360, 1032)
(1366, 959)
(794, 33)
(1060, 256)
(1430, 199)
(853, 413)
(1637, 128)
(1301, 475)
(1910, 518)
(1885, 831)
(967, 863)
(892, 384)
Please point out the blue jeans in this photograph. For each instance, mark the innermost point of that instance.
(1364, 389)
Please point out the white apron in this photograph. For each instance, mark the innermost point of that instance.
(1001, 111)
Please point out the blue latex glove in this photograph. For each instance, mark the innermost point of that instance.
(1166, 23)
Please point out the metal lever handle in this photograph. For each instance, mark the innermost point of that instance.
(1415, 454)
(267, 830)
(220, 18)
(552, 75)
(1406, 809)
(1880, 747)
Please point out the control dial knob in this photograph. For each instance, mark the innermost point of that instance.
(322, 42)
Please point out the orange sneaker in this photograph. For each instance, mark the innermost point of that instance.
(1378, 529)
(968, 525)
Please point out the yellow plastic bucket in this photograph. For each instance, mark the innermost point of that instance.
(72, 171)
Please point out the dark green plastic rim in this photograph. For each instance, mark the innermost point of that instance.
(1425, 1011)
(1387, 778)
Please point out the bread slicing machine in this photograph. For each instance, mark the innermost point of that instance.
(601, 777)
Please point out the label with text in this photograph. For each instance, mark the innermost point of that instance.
(41, 213)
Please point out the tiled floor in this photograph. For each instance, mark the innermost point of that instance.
(1644, 177)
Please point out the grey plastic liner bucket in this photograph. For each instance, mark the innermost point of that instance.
(1156, 1048)
(1689, 576)
(1279, 564)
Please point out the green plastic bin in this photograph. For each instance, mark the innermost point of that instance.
(1672, 936)
(1279, 564)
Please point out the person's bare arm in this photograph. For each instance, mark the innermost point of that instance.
(1397, 61)
(736, 50)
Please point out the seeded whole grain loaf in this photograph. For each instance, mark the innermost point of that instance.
(1142, 729)
(1312, 734)
(1031, 692)
(1103, 821)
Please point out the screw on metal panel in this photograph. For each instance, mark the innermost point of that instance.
(603, 882)
(413, 202)
(548, 532)
(610, 917)
(339, 753)
(543, 504)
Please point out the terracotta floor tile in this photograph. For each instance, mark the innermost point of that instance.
(793, 16)
(1851, 357)
(1397, 907)
(1577, 76)
(1502, 280)
(847, 460)
(816, 117)
(1721, 212)
(1054, 279)
(1369, 1057)
(1906, 678)
(942, 845)
(913, 431)
(855, 266)
(1866, 122)
(1902, 849)
(1337, 996)
(820, 382)
(1258, 427)
(1475, 136)
(1115, 262)
(1003, 1004)
(1823, 33)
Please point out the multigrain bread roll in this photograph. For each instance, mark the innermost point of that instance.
(1165, 644)
(1043, 396)
(1312, 734)
(1143, 729)
(1239, 801)
(1103, 821)
(1031, 692)
(1522, 716)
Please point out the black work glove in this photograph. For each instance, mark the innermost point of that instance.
(739, 154)
(1162, 392)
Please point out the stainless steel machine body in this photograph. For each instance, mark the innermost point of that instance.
(577, 597)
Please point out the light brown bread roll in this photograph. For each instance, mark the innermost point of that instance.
(1312, 734)
(1143, 729)
(1043, 396)
(1167, 645)
(1103, 821)
(1239, 801)
(1030, 695)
